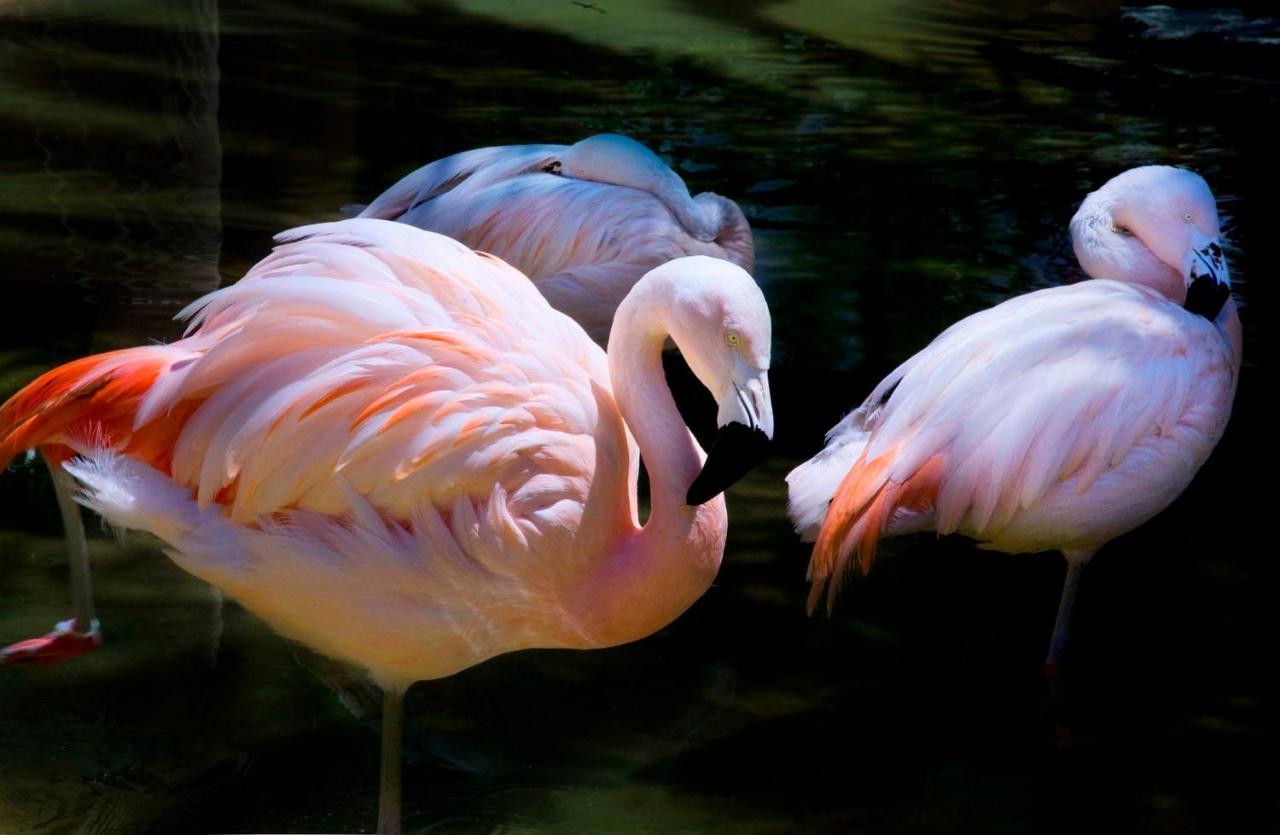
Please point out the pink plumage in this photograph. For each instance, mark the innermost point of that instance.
(583, 221)
(1057, 420)
(392, 449)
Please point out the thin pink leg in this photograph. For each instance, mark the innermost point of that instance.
(81, 633)
(1062, 626)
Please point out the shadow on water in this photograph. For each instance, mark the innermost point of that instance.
(903, 164)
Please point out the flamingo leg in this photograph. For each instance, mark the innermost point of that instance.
(1062, 626)
(82, 633)
(84, 620)
(392, 733)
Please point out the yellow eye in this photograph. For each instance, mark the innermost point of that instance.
(732, 338)
(1186, 216)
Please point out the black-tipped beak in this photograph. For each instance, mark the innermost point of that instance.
(1208, 283)
(735, 451)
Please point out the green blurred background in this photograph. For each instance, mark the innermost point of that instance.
(903, 164)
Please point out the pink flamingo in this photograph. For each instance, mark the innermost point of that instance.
(1057, 420)
(392, 449)
(584, 221)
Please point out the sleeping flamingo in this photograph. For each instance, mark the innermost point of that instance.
(584, 221)
(392, 449)
(1057, 420)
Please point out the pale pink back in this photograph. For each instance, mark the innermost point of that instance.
(584, 243)
(366, 350)
(1056, 420)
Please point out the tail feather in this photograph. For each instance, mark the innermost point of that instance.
(812, 485)
(864, 506)
(91, 401)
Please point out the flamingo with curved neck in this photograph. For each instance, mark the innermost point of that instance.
(671, 561)
(391, 449)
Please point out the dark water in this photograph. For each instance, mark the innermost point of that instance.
(903, 164)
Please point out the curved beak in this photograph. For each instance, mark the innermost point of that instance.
(1208, 281)
(746, 428)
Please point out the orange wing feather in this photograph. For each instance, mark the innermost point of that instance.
(94, 398)
(863, 507)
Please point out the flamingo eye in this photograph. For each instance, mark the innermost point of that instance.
(732, 338)
(1122, 231)
(1186, 216)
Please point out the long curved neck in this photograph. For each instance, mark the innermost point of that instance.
(665, 566)
(670, 453)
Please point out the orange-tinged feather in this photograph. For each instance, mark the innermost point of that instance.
(851, 498)
(227, 493)
(472, 425)
(448, 409)
(453, 341)
(343, 390)
(406, 410)
(442, 337)
(432, 378)
(96, 397)
(864, 505)
(57, 453)
(155, 441)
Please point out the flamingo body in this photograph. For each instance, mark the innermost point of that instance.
(392, 449)
(584, 234)
(1008, 431)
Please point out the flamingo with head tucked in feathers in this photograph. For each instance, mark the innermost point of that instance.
(1057, 420)
(392, 449)
(583, 221)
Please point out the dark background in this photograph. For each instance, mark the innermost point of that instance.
(903, 164)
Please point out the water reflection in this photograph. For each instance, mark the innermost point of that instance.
(903, 164)
(116, 188)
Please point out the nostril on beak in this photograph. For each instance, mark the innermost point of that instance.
(1212, 255)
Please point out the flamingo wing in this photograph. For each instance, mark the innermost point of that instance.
(480, 166)
(1057, 386)
(584, 244)
(388, 446)
(363, 358)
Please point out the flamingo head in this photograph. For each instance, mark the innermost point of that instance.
(1151, 219)
(719, 320)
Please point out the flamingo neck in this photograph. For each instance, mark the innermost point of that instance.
(701, 219)
(660, 570)
(1228, 324)
(1106, 253)
(733, 232)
